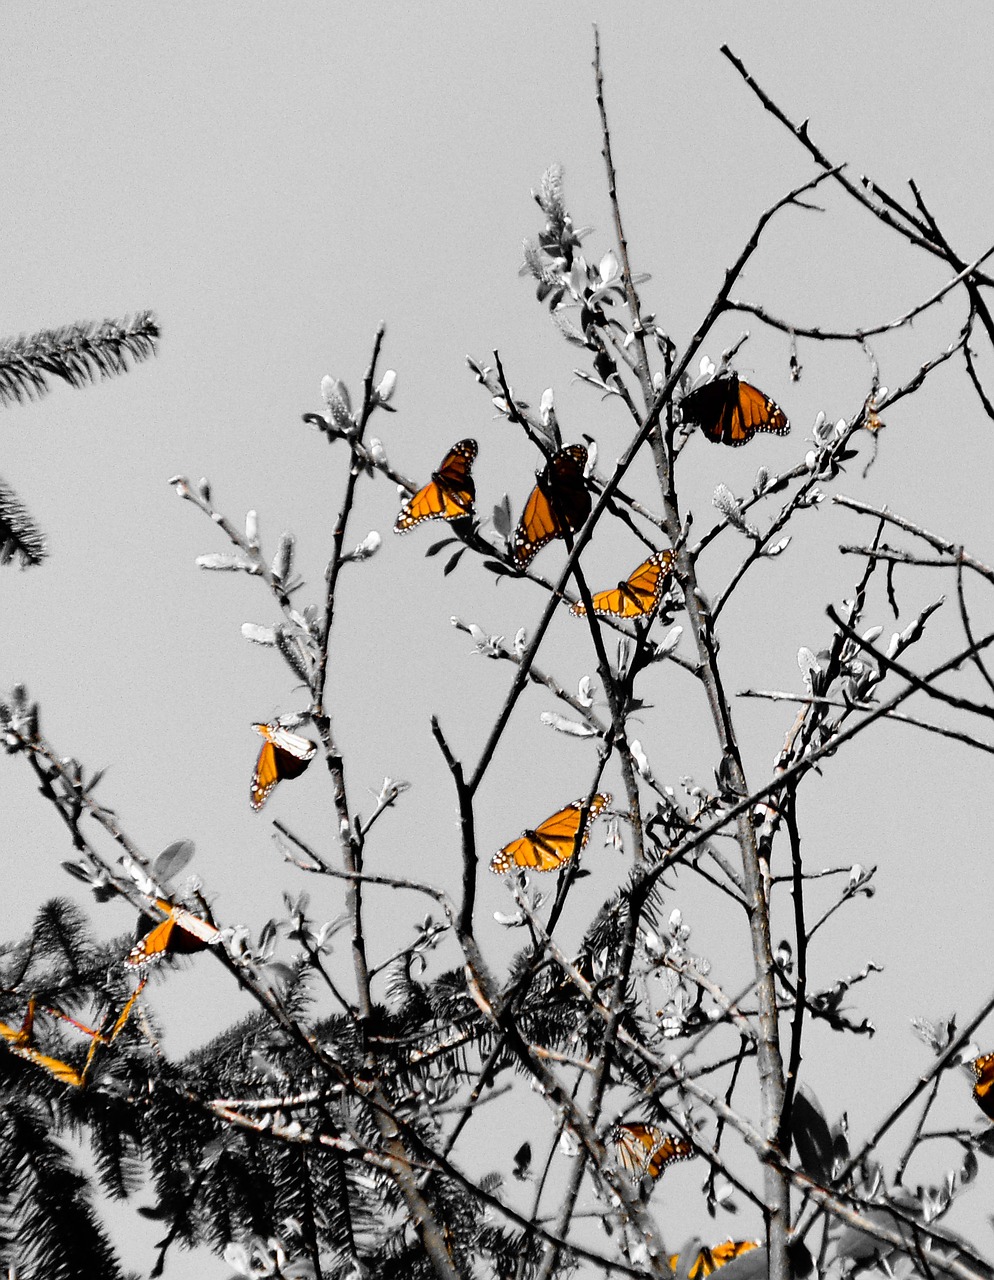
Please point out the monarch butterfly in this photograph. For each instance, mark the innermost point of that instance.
(646, 1149)
(559, 501)
(709, 1260)
(983, 1090)
(449, 493)
(283, 755)
(552, 843)
(731, 412)
(20, 1038)
(179, 934)
(637, 597)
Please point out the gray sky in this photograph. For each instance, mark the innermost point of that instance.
(273, 182)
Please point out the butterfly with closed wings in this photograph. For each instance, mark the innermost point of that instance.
(729, 411)
(449, 493)
(283, 755)
(552, 843)
(638, 596)
(560, 501)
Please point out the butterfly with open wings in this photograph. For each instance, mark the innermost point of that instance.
(729, 411)
(552, 843)
(448, 495)
(638, 596)
(645, 1150)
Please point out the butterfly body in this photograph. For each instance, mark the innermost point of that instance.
(180, 933)
(645, 1150)
(639, 595)
(552, 843)
(448, 495)
(283, 755)
(560, 501)
(729, 411)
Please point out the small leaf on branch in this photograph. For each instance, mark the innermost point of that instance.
(226, 563)
(436, 547)
(173, 859)
(283, 560)
(365, 549)
(562, 725)
(259, 634)
(501, 570)
(387, 385)
(812, 1136)
(502, 517)
(453, 560)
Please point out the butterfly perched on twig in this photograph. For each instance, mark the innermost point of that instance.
(639, 595)
(729, 411)
(559, 501)
(552, 843)
(283, 755)
(645, 1150)
(180, 933)
(449, 493)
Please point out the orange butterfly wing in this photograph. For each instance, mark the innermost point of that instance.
(731, 412)
(54, 1066)
(552, 843)
(983, 1090)
(709, 1260)
(283, 755)
(181, 933)
(448, 495)
(671, 1149)
(645, 1149)
(559, 500)
(19, 1041)
(637, 597)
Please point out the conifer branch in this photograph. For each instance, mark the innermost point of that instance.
(77, 353)
(19, 535)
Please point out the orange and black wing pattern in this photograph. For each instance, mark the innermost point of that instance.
(709, 1260)
(983, 1090)
(646, 1150)
(730, 412)
(639, 595)
(180, 933)
(449, 493)
(552, 843)
(560, 500)
(20, 1040)
(283, 755)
